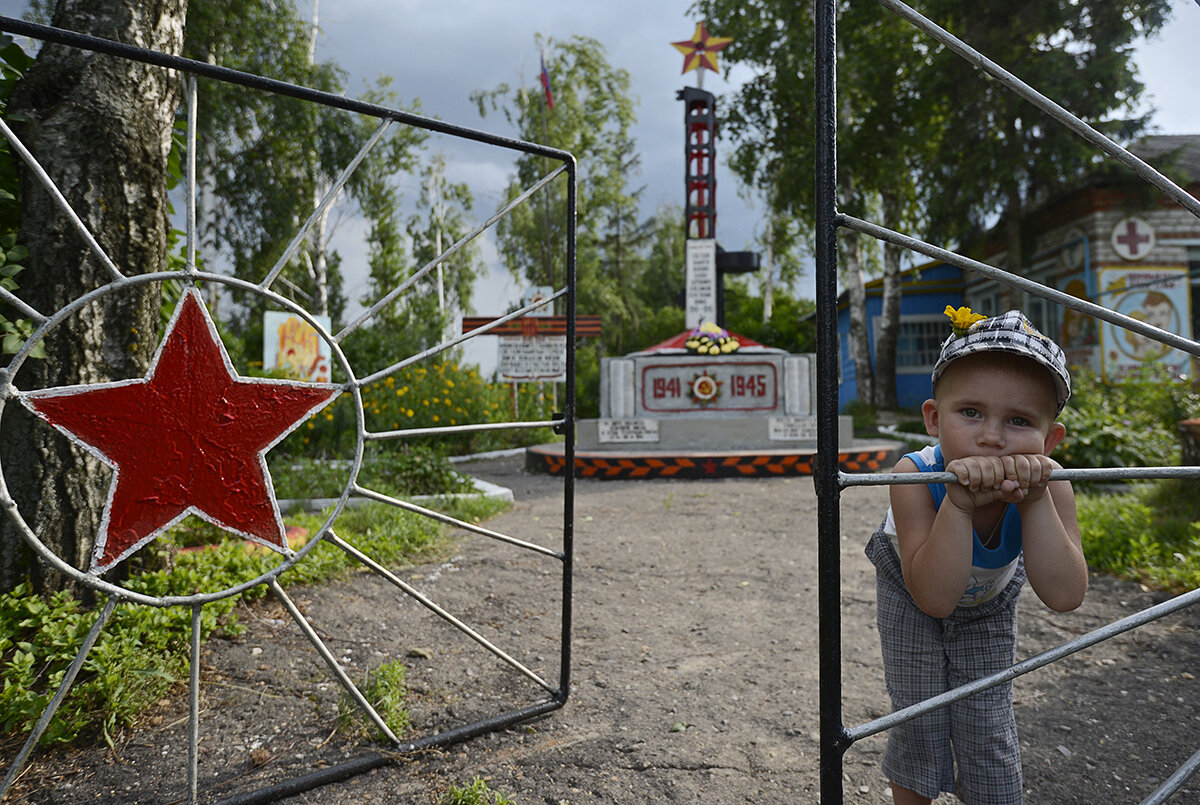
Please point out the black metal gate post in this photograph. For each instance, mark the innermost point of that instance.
(825, 472)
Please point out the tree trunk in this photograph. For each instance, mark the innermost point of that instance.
(101, 127)
(887, 334)
(860, 351)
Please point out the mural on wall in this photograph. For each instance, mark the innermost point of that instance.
(1079, 334)
(1157, 295)
(292, 345)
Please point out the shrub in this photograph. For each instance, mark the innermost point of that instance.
(1130, 423)
(395, 470)
(427, 396)
(863, 412)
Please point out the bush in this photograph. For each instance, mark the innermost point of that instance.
(865, 418)
(395, 470)
(432, 396)
(1132, 423)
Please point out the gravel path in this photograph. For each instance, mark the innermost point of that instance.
(694, 668)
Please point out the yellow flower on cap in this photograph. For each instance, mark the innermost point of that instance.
(962, 319)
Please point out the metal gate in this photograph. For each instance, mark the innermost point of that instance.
(835, 737)
(547, 694)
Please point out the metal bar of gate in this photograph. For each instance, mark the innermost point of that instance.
(832, 733)
(835, 738)
(563, 423)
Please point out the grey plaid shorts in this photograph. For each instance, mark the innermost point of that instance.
(923, 657)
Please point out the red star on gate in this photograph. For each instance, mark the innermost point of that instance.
(190, 437)
(700, 52)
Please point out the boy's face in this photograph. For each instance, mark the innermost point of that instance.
(994, 404)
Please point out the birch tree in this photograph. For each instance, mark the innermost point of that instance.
(102, 128)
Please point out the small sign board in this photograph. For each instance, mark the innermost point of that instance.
(292, 345)
(530, 358)
(701, 282)
(792, 428)
(627, 430)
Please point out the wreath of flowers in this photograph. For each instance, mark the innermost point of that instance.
(709, 339)
(704, 389)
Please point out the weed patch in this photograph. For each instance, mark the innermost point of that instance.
(143, 652)
(1150, 534)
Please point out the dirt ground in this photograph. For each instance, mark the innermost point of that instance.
(694, 669)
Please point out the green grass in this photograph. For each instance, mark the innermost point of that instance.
(385, 689)
(142, 653)
(474, 793)
(1149, 534)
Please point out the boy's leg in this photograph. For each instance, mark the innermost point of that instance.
(983, 726)
(918, 757)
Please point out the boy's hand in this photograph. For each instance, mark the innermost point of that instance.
(1011, 479)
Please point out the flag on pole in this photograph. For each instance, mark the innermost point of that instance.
(545, 79)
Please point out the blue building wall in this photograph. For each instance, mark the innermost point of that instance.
(925, 292)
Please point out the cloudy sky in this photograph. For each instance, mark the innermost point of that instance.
(441, 51)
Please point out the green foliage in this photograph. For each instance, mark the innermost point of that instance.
(386, 690)
(1150, 534)
(269, 158)
(791, 327)
(427, 396)
(13, 332)
(1128, 423)
(863, 412)
(475, 793)
(142, 653)
(396, 471)
(592, 117)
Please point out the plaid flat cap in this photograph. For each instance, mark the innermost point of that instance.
(1009, 332)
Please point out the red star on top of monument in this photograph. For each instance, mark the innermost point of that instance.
(190, 437)
(701, 50)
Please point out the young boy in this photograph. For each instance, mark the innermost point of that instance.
(951, 559)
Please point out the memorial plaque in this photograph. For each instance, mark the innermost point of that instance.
(533, 358)
(701, 282)
(709, 386)
(627, 430)
(792, 428)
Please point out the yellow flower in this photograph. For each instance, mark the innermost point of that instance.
(436, 418)
(962, 319)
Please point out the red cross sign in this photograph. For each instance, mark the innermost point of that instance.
(1132, 238)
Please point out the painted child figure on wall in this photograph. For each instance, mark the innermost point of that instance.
(951, 559)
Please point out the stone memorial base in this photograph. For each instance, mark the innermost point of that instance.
(673, 411)
(642, 461)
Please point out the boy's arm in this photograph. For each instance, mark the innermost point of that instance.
(935, 545)
(1054, 561)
